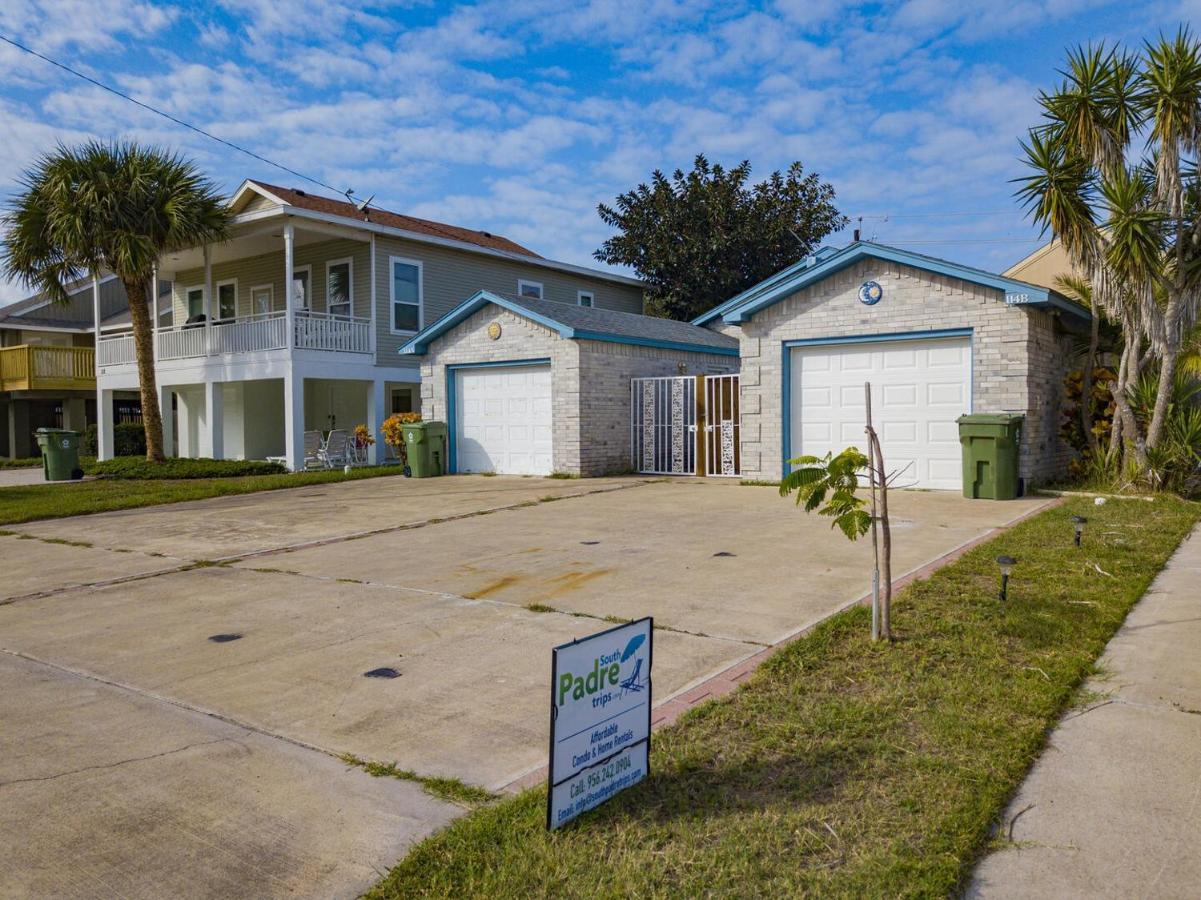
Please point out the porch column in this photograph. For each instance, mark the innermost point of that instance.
(374, 343)
(212, 441)
(208, 300)
(166, 398)
(154, 307)
(74, 418)
(376, 413)
(104, 424)
(289, 274)
(294, 420)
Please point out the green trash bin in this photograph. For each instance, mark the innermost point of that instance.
(991, 447)
(60, 454)
(425, 449)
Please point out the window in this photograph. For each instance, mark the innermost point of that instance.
(529, 289)
(406, 295)
(339, 291)
(262, 299)
(194, 301)
(227, 300)
(585, 298)
(302, 278)
(402, 400)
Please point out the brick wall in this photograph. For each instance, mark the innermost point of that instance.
(1017, 357)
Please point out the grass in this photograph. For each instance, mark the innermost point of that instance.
(450, 789)
(26, 503)
(26, 462)
(843, 768)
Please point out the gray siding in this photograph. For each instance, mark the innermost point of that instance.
(450, 276)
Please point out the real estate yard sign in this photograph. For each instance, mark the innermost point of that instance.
(600, 719)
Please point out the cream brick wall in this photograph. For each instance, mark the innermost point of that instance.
(1017, 356)
(590, 382)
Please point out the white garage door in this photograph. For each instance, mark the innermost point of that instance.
(919, 389)
(503, 420)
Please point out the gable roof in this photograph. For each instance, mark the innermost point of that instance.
(329, 206)
(828, 260)
(584, 323)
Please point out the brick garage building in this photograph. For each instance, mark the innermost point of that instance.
(934, 338)
(533, 387)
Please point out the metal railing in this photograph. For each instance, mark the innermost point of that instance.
(250, 335)
(343, 334)
(115, 350)
(30, 368)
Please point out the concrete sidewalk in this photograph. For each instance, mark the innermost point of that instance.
(1113, 806)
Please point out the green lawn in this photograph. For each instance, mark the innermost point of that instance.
(53, 501)
(841, 768)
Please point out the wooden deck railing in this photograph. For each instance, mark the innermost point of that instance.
(33, 368)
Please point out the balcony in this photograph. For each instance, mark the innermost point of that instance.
(253, 334)
(33, 368)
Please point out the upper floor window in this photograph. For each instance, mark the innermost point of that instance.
(194, 301)
(406, 295)
(529, 289)
(302, 278)
(227, 299)
(586, 298)
(339, 296)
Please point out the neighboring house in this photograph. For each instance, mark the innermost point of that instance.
(935, 339)
(47, 364)
(294, 322)
(1043, 267)
(531, 387)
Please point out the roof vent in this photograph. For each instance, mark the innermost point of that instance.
(486, 234)
(300, 193)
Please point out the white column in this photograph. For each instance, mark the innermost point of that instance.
(374, 274)
(213, 439)
(376, 413)
(294, 420)
(165, 398)
(289, 274)
(104, 424)
(154, 307)
(208, 300)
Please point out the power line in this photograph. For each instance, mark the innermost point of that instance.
(972, 241)
(939, 215)
(168, 116)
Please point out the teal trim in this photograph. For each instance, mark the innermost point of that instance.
(419, 343)
(786, 348)
(822, 265)
(452, 456)
(652, 342)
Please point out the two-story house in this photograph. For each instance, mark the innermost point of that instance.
(47, 363)
(293, 323)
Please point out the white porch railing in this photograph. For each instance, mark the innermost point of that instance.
(344, 334)
(255, 334)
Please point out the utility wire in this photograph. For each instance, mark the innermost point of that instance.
(170, 117)
(938, 215)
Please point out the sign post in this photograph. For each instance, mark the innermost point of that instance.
(600, 719)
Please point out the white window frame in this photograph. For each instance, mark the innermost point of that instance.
(392, 301)
(308, 299)
(270, 289)
(591, 295)
(217, 290)
(187, 311)
(523, 283)
(349, 260)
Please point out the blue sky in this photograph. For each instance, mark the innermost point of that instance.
(519, 116)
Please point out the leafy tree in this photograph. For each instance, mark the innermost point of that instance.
(697, 239)
(1115, 178)
(828, 484)
(111, 207)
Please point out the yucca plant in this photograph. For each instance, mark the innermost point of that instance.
(114, 208)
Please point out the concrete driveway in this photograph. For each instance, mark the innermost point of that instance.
(217, 759)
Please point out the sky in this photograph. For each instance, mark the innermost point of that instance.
(520, 116)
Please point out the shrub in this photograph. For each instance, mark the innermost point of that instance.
(129, 439)
(137, 467)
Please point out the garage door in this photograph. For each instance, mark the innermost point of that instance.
(503, 420)
(919, 389)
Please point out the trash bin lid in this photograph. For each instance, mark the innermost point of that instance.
(990, 418)
(54, 431)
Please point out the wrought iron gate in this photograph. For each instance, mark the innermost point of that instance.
(723, 455)
(663, 425)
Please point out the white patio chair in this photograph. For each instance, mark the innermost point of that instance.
(336, 451)
(314, 447)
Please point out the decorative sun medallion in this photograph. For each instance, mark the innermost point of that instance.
(494, 330)
(870, 293)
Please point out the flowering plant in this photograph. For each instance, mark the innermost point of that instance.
(363, 436)
(394, 433)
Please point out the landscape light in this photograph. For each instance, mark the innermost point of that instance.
(1078, 522)
(1006, 563)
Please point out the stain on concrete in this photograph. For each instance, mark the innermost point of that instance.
(573, 581)
(493, 587)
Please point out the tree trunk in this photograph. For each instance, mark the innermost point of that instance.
(1086, 390)
(1163, 397)
(885, 540)
(143, 341)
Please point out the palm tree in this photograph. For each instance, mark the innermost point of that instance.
(111, 207)
(1126, 214)
(1081, 291)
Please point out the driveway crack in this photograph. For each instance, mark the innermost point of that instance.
(118, 763)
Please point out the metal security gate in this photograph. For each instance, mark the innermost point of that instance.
(663, 426)
(723, 456)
